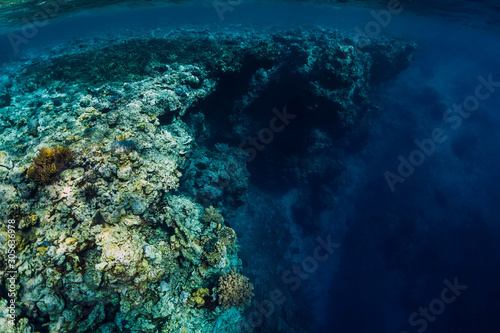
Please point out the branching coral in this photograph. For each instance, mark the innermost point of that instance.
(48, 164)
(234, 290)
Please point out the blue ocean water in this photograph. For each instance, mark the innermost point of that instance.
(396, 232)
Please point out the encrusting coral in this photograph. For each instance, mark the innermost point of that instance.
(48, 164)
(198, 296)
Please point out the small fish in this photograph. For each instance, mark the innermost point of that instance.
(111, 96)
(88, 132)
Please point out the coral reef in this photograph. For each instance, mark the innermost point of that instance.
(124, 236)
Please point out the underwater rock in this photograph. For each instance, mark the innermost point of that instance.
(5, 82)
(107, 328)
(121, 254)
(124, 172)
(107, 170)
(33, 127)
(5, 100)
(138, 206)
(122, 147)
(5, 160)
(50, 304)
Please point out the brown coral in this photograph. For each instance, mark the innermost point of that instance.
(212, 214)
(227, 236)
(48, 164)
(234, 290)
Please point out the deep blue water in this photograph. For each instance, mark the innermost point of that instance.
(398, 248)
(441, 222)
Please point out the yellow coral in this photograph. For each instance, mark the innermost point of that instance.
(197, 296)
